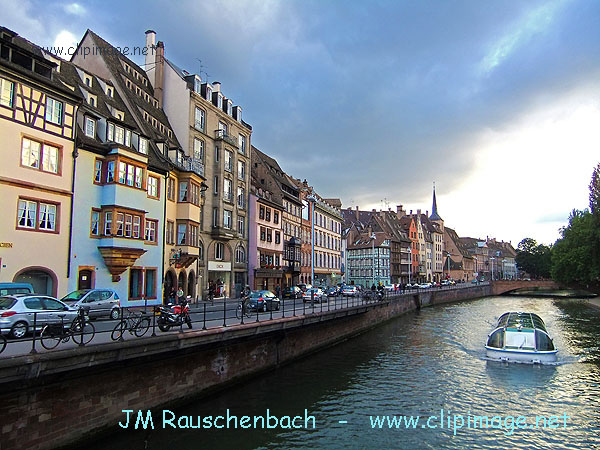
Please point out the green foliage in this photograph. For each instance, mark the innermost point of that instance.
(595, 192)
(534, 258)
(576, 256)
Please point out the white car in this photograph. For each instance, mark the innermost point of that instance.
(424, 285)
(318, 295)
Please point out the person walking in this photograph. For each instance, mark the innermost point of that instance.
(180, 295)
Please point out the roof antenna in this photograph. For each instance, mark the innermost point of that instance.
(200, 71)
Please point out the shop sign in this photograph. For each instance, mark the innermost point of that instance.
(218, 266)
(6, 244)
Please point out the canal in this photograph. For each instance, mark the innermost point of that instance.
(416, 365)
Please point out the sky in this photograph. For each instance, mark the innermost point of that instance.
(496, 102)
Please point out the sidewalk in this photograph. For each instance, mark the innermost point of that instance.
(594, 302)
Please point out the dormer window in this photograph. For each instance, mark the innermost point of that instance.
(208, 93)
(110, 91)
(197, 85)
(92, 100)
(229, 108)
(87, 79)
(143, 146)
(220, 100)
(90, 127)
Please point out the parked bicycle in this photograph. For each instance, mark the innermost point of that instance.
(3, 342)
(82, 331)
(136, 323)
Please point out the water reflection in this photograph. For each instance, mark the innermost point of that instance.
(420, 364)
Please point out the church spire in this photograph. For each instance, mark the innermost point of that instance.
(434, 212)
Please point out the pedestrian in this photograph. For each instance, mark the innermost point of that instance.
(277, 291)
(180, 295)
(373, 287)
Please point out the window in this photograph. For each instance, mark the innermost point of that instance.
(268, 215)
(7, 89)
(98, 171)
(32, 152)
(215, 219)
(128, 225)
(263, 234)
(227, 219)
(199, 119)
(227, 194)
(119, 135)
(269, 235)
(171, 189)
(216, 185)
(53, 111)
(241, 198)
(110, 91)
(181, 233)
(170, 233)
(242, 144)
(228, 161)
(135, 283)
(241, 225)
(183, 191)
(153, 187)
(110, 172)
(120, 221)
(198, 149)
(139, 173)
(275, 217)
(130, 174)
(95, 223)
(208, 93)
(136, 227)
(150, 283)
(90, 127)
(195, 194)
(110, 132)
(27, 214)
(277, 237)
(241, 170)
(143, 148)
(261, 212)
(219, 250)
(128, 138)
(150, 234)
(193, 235)
(240, 254)
(108, 223)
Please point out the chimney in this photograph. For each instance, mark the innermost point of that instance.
(418, 212)
(216, 86)
(374, 210)
(150, 52)
(357, 213)
(427, 213)
(159, 73)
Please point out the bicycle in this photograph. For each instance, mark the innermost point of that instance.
(242, 308)
(137, 324)
(81, 331)
(3, 342)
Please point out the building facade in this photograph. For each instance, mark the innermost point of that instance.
(37, 132)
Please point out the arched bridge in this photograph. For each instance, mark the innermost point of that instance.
(503, 286)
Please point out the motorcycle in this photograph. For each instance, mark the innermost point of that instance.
(173, 316)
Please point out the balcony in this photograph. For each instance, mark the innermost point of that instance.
(221, 135)
(219, 232)
(187, 163)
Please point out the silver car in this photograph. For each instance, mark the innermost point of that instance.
(95, 302)
(18, 311)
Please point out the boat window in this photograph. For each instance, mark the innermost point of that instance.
(543, 341)
(539, 323)
(496, 339)
(520, 340)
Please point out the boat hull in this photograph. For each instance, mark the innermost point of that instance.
(521, 356)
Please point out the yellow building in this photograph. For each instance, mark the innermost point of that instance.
(37, 116)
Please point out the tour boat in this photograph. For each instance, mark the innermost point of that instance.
(520, 337)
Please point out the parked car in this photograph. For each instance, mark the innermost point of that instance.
(445, 283)
(331, 292)
(318, 295)
(15, 288)
(263, 301)
(389, 287)
(424, 285)
(303, 287)
(350, 291)
(17, 313)
(96, 302)
(292, 292)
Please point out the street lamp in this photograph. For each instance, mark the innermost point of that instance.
(492, 260)
(476, 273)
(448, 256)
(312, 199)
(503, 272)
(372, 237)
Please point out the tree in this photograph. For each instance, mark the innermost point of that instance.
(595, 192)
(575, 259)
(534, 258)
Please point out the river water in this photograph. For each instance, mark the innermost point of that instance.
(418, 364)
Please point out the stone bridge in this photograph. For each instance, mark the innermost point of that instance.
(500, 287)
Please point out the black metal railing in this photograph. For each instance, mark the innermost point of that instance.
(30, 332)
